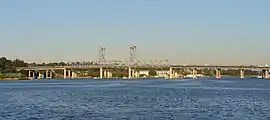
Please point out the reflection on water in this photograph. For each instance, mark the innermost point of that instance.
(135, 99)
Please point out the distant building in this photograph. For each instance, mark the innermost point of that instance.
(160, 73)
(163, 73)
(144, 72)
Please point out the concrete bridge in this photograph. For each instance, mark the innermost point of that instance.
(220, 67)
(70, 70)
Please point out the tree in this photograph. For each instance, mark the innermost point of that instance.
(9, 66)
(6, 65)
(62, 64)
(143, 75)
(19, 63)
(33, 64)
(152, 73)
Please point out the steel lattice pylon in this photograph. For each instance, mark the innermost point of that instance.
(132, 61)
(101, 57)
(132, 50)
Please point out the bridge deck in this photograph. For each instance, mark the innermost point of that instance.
(140, 67)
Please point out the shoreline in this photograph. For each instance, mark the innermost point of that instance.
(9, 79)
(13, 78)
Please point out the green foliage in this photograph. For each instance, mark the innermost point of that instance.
(10, 75)
(152, 73)
(208, 72)
(119, 74)
(9, 66)
(142, 75)
(1, 76)
(228, 72)
(48, 64)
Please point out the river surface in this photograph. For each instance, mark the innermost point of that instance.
(150, 99)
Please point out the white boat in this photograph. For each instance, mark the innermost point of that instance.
(259, 76)
(191, 76)
(188, 76)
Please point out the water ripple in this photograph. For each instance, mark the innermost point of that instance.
(135, 100)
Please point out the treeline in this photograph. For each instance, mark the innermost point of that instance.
(48, 64)
(9, 66)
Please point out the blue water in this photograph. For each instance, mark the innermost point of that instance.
(228, 99)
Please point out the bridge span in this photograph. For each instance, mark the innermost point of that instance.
(142, 67)
(105, 70)
(220, 67)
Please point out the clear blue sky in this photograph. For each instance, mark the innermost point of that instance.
(182, 31)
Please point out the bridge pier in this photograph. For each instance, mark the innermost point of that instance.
(218, 75)
(176, 75)
(51, 74)
(194, 73)
(137, 74)
(31, 74)
(109, 74)
(100, 72)
(265, 74)
(242, 74)
(133, 73)
(74, 75)
(47, 74)
(105, 75)
(129, 72)
(171, 73)
(69, 74)
(65, 73)
(39, 75)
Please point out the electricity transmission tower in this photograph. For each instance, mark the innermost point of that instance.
(101, 57)
(132, 51)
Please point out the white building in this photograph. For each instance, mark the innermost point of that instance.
(162, 73)
(144, 72)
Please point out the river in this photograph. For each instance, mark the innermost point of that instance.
(151, 99)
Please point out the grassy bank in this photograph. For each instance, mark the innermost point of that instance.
(11, 76)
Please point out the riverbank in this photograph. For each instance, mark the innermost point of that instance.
(9, 78)
(15, 78)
